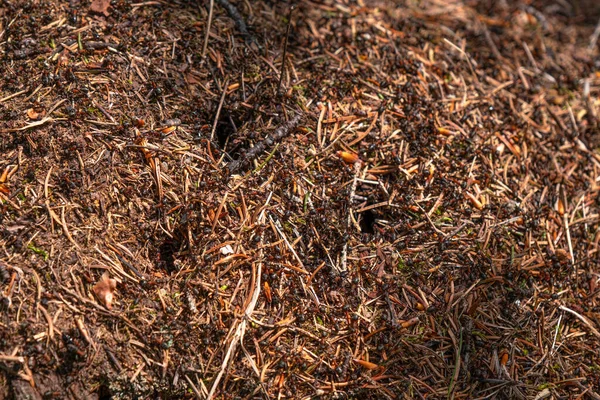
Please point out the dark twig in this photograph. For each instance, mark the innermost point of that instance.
(394, 316)
(235, 15)
(115, 362)
(260, 147)
(130, 266)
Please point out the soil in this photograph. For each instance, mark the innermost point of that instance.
(359, 199)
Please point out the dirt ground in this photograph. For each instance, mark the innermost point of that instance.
(398, 202)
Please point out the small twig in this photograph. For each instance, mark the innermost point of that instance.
(466, 56)
(129, 265)
(189, 381)
(555, 335)
(84, 332)
(435, 228)
(587, 390)
(208, 23)
(18, 359)
(344, 257)
(490, 41)
(216, 220)
(394, 316)
(115, 362)
(594, 37)
(10, 24)
(240, 331)
(277, 226)
(285, 45)
(214, 128)
(582, 319)
(50, 322)
(262, 165)
(40, 122)
(454, 377)
(54, 216)
(10, 96)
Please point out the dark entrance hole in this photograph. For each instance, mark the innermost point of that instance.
(167, 250)
(226, 127)
(367, 222)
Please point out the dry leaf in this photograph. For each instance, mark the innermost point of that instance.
(100, 6)
(562, 254)
(504, 358)
(4, 176)
(34, 115)
(349, 158)
(409, 323)
(192, 78)
(444, 131)
(366, 364)
(104, 290)
(268, 292)
(167, 129)
(560, 207)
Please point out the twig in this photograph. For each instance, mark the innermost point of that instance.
(235, 15)
(18, 359)
(49, 320)
(224, 92)
(490, 41)
(216, 220)
(54, 216)
(555, 335)
(84, 332)
(454, 377)
(277, 225)
(594, 37)
(260, 147)
(587, 390)
(582, 318)
(10, 96)
(344, 256)
(208, 23)
(240, 331)
(115, 362)
(38, 123)
(435, 228)
(187, 378)
(466, 56)
(285, 45)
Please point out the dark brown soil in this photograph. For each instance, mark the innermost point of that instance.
(409, 211)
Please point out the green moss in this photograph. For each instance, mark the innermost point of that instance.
(38, 251)
(544, 386)
(401, 266)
